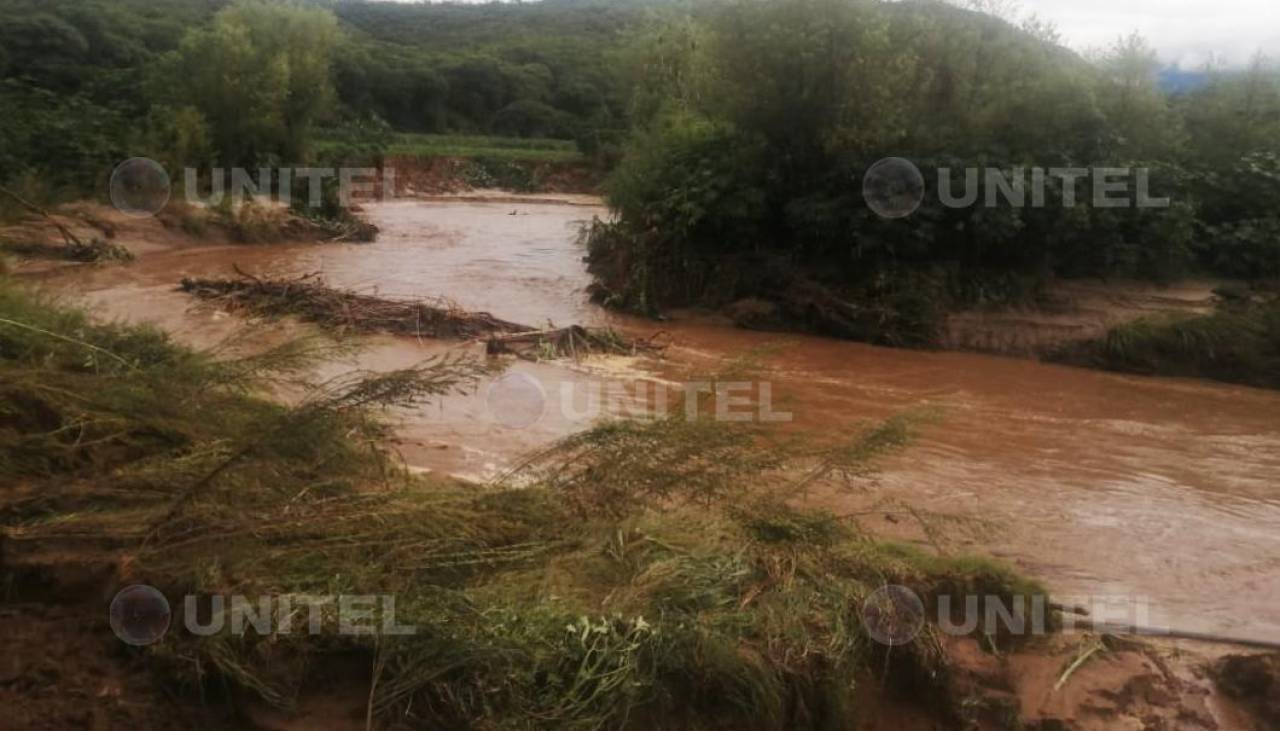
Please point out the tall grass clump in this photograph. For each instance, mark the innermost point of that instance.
(85, 397)
(1238, 344)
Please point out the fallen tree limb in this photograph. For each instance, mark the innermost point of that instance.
(70, 238)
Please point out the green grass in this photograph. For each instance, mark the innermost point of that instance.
(472, 146)
(648, 575)
(1237, 344)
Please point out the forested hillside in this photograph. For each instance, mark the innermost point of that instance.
(86, 83)
(545, 69)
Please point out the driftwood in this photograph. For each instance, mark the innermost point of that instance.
(574, 341)
(308, 298)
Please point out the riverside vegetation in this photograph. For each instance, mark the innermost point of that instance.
(742, 177)
(646, 573)
(737, 132)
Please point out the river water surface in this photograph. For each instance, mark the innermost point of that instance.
(1163, 491)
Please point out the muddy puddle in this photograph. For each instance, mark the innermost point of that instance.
(1162, 494)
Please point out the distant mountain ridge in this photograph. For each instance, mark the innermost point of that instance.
(1175, 80)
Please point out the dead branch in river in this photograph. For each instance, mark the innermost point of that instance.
(310, 299)
(574, 341)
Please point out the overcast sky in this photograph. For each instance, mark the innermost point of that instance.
(1183, 31)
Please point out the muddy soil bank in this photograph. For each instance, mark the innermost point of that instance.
(49, 240)
(1072, 312)
(65, 669)
(415, 176)
(1057, 320)
(1067, 313)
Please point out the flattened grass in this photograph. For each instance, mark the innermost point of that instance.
(698, 599)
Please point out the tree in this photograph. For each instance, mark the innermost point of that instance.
(260, 75)
(45, 48)
(529, 118)
(1142, 125)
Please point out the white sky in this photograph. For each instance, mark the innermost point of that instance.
(1185, 32)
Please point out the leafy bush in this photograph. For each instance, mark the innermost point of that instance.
(750, 154)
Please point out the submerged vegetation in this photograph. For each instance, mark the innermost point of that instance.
(84, 399)
(71, 248)
(689, 595)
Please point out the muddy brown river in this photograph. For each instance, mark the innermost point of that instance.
(1163, 494)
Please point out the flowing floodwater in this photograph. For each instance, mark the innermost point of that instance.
(1162, 490)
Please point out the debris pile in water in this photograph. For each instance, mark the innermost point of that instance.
(309, 298)
(574, 341)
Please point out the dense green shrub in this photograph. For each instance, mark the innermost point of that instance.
(754, 145)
